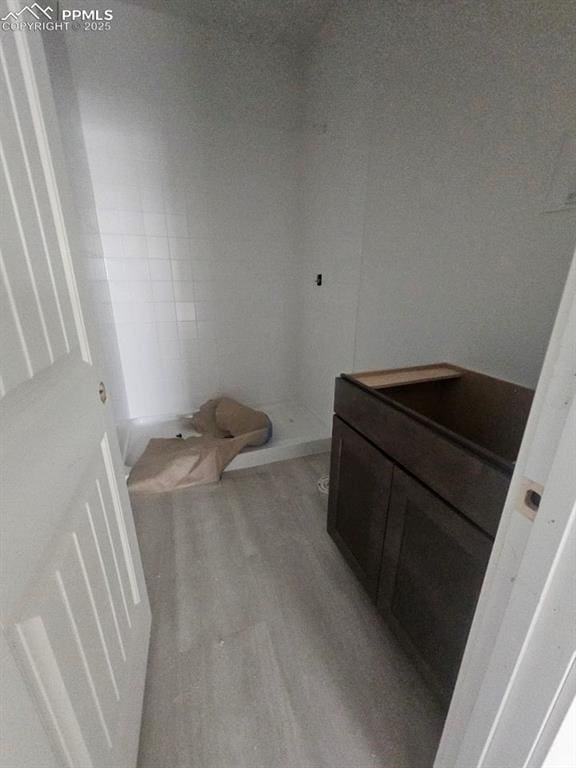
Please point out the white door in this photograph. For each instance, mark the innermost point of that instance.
(74, 613)
(517, 681)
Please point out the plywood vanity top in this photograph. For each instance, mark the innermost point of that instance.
(395, 377)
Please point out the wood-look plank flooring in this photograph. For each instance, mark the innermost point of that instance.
(265, 651)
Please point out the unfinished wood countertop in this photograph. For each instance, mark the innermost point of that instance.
(395, 377)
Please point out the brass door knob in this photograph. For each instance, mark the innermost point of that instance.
(102, 392)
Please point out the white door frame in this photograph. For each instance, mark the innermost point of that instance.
(517, 680)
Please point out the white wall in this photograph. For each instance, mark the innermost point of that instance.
(430, 135)
(191, 139)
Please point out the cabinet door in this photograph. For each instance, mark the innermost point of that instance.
(360, 481)
(432, 571)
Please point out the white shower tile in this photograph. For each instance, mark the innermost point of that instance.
(206, 310)
(187, 330)
(204, 269)
(177, 225)
(150, 168)
(209, 290)
(143, 311)
(158, 248)
(199, 226)
(162, 291)
(203, 249)
(185, 311)
(181, 270)
(207, 329)
(190, 349)
(184, 291)
(164, 311)
(170, 349)
(141, 401)
(134, 246)
(101, 195)
(209, 354)
(152, 199)
(135, 312)
(123, 168)
(188, 369)
(112, 246)
(132, 198)
(132, 222)
(124, 312)
(179, 248)
(110, 222)
(166, 331)
(124, 197)
(160, 269)
(175, 199)
(127, 269)
(139, 350)
(133, 290)
(155, 224)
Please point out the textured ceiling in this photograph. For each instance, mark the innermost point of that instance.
(291, 22)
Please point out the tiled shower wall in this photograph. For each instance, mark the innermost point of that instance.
(191, 140)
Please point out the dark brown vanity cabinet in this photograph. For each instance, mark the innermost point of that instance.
(419, 474)
(432, 570)
(362, 477)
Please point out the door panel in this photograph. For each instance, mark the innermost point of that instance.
(79, 631)
(360, 478)
(24, 718)
(32, 270)
(35, 181)
(432, 571)
(73, 604)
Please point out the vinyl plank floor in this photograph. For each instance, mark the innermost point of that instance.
(265, 651)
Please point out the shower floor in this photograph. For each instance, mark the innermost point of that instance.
(296, 432)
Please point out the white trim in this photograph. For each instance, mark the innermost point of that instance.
(34, 199)
(27, 259)
(44, 669)
(94, 607)
(103, 571)
(83, 657)
(115, 560)
(120, 522)
(16, 316)
(52, 186)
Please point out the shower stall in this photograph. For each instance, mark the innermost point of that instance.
(190, 222)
